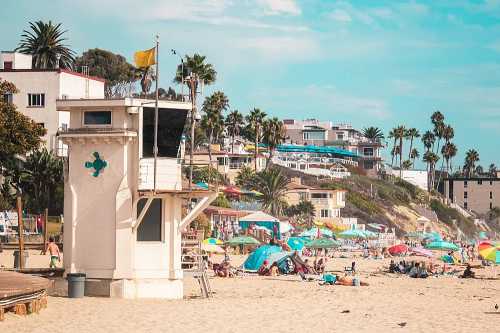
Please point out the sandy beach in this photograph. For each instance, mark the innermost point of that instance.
(284, 303)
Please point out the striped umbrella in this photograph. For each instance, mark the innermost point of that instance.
(213, 241)
(490, 252)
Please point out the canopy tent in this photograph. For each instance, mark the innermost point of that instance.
(257, 257)
(262, 219)
(442, 245)
(323, 243)
(316, 149)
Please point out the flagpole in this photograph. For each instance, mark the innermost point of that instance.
(155, 147)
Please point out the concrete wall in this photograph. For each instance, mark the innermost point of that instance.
(415, 177)
(478, 195)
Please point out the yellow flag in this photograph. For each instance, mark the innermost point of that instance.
(145, 58)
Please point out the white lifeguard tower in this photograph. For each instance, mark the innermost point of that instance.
(123, 235)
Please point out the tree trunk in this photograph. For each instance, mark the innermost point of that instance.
(210, 149)
(401, 158)
(411, 147)
(232, 143)
(256, 148)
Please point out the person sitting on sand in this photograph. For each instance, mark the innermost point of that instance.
(414, 271)
(274, 271)
(263, 269)
(423, 273)
(347, 281)
(468, 273)
(392, 267)
(319, 265)
(308, 269)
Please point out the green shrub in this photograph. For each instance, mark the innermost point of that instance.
(363, 203)
(221, 201)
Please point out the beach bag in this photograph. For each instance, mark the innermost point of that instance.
(329, 278)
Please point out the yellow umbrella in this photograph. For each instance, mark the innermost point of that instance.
(212, 248)
(213, 241)
(490, 253)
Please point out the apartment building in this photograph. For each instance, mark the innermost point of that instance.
(327, 203)
(476, 194)
(40, 88)
(318, 133)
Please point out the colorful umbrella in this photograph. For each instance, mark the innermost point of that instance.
(313, 232)
(353, 233)
(295, 243)
(490, 253)
(242, 240)
(233, 190)
(212, 248)
(202, 185)
(213, 241)
(370, 234)
(323, 243)
(421, 251)
(398, 249)
(442, 246)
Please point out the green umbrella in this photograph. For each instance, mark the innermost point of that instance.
(323, 243)
(370, 234)
(242, 240)
(352, 233)
(442, 245)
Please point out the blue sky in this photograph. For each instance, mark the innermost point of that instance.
(379, 63)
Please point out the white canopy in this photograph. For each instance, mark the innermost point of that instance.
(259, 217)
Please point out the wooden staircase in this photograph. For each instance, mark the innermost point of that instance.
(192, 261)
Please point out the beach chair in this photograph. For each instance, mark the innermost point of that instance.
(350, 270)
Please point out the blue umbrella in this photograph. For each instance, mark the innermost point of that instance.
(313, 232)
(442, 245)
(295, 243)
(352, 233)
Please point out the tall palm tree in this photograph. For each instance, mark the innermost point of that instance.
(400, 134)
(449, 151)
(394, 153)
(256, 119)
(273, 186)
(431, 159)
(213, 120)
(437, 120)
(492, 170)
(448, 133)
(274, 134)
(234, 123)
(414, 154)
(45, 43)
(412, 133)
(428, 140)
(392, 135)
(471, 157)
(373, 133)
(196, 65)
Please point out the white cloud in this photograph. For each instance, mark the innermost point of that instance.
(340, 15)
(283, 49)
(280, 7)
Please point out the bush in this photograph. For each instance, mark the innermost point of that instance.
(363, 203)
(413, 190)
(221, 201)
(447, 215)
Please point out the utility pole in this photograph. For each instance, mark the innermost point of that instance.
(193, 80)
(45, 229)
(20, 226)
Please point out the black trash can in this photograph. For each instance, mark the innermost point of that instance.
(17, 257)
(76, 285)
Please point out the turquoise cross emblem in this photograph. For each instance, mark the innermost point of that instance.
(98, 165)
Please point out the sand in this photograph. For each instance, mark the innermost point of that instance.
(284, 304)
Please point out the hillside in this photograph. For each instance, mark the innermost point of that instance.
(396, 204)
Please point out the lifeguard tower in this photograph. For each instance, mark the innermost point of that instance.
(124, 235)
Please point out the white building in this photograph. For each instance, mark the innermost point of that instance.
(40, 88)
(415, 177)
(123, 235)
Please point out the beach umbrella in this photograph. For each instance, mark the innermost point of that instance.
(442, 246)
(415, 234)
(232, 190)
(242, 240)
(295, 243)
(213, 241)
(370, 234)
(433, 236)
(212, 248)
(313, 232)
(398, 249)
(421, 251)
(447, 259)
(202, 185)
(490, 252)
(323, 243)
(352, 233)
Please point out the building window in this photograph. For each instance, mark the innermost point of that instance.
(64, 127)
(7, 65)
(368, 151)
(41, 124)
(36, 100)
(465, 205)
(340, 136)
(7, 98)
(313, 135)
(150, 228)
(491, 205)
(97, 118)
(491, 195)
(221, 160)
(465, 195)
(325, 213)
(479, 182)
(303, 196)
(465, 184)
(319, 195)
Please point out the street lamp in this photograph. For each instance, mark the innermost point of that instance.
(174, 52)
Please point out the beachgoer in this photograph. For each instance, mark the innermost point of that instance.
(263, 269)
(392, 267)
(55, 255)
(468, 273)
(414, 271)
(347, 281)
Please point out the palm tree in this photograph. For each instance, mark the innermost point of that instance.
(412, 133)
(449, 151)
(392, 135)
(373, 133)
(479, 170)
(273, 186)
(205, 72)
(428, 140)
(431, 159)
(492, 170)
(414, 154)
(448, 133)
(437, 120)
(45, 44)
(213, 120)
(304, 211)
(274, 135)
(400, 134)
(234, 123)
(256, 119)
(394, 152)
(471, 157)
(407, 165)
(44, 172)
